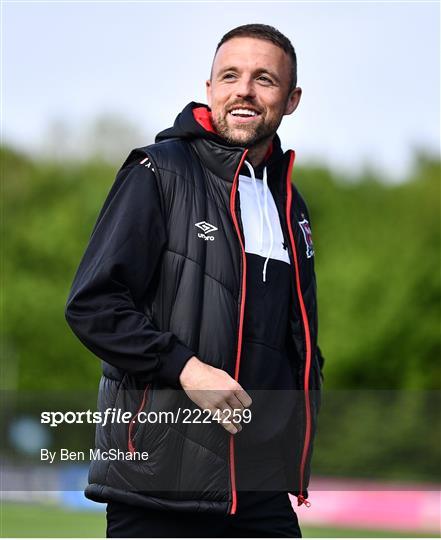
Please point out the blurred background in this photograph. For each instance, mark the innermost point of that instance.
(84, 83)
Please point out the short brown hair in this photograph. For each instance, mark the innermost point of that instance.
(268, 33)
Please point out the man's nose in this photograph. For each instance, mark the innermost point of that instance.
(245, 87)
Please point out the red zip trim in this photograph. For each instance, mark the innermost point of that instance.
(130, 444)
(300, 498)
(241, 316)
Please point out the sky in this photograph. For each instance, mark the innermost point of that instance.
(369, 71)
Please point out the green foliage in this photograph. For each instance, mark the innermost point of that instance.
(392, 435)
(48, 216)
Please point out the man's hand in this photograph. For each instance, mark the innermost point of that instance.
(212, 388)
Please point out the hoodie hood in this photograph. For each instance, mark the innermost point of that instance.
(194, 124)
(194, 121)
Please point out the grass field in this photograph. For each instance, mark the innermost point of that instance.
(33, 520)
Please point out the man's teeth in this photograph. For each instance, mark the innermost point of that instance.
(244, 112)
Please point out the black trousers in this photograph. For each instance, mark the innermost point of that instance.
(259, 514)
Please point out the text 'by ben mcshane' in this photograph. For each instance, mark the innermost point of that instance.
(113, 454)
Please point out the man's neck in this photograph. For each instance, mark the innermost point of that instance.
(257, 153)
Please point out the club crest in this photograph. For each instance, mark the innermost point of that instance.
(307, 235)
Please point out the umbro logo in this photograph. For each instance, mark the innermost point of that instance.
(206, 228)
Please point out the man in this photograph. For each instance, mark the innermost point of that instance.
(198, 292)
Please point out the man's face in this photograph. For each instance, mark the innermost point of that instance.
(249, 91)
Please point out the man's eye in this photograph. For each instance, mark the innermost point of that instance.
(228, 75)
(265, 79)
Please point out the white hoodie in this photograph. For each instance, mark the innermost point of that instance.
(260, 219)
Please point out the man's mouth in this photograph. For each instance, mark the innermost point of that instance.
(244, 114)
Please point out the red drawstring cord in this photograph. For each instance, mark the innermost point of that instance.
(301, 500)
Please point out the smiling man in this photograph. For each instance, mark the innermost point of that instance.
(252, 86)
(198, 292)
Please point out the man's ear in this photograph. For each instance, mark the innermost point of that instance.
(208, 89)
(293, 100)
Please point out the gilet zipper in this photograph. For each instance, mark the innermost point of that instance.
(242, 296)
(300, 498)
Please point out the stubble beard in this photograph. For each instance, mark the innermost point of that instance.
(249, 135)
